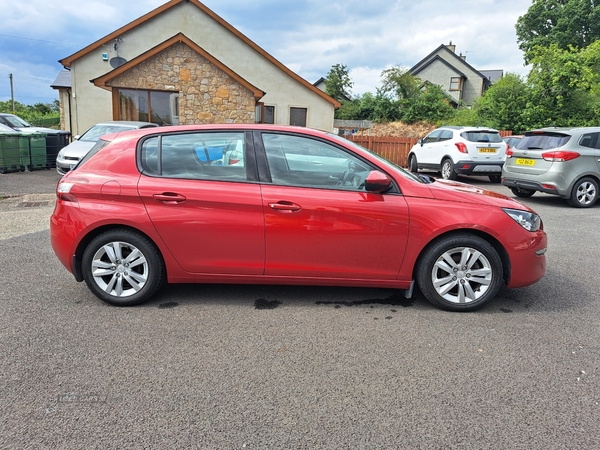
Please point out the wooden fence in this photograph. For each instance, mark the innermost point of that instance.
(394, 149)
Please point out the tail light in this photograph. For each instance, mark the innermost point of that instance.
(461, 147)
(63, 192)
(560, 156)
(509, 152)
(233, 161)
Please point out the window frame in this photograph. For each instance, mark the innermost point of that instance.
(457, 81)
(298, 108)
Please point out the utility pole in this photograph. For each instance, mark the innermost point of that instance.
(12, 92)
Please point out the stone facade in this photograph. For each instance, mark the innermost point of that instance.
(206, 93)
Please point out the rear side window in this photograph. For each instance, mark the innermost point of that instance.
(481, 136)
(542, 141)
(589, 140)
(202, 155)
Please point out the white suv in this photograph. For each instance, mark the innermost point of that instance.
(460, 150)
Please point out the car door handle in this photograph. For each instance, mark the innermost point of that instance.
(170, 198)
(285, 207)
(317, 163)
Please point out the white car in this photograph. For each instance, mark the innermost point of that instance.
(18, 124)
(69, 156)
(456, 151)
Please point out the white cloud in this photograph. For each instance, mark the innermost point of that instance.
(308, 36)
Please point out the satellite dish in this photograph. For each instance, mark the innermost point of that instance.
(117, 61)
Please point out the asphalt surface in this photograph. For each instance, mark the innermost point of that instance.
(257, 367)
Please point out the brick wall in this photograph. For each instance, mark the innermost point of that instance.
(206, 93)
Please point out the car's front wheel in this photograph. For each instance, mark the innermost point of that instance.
(122, 267)
(460, 273)
(448, 172)
(412, 164)
(584, 193)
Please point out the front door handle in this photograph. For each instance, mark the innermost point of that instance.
(285, 207)
(170, 198)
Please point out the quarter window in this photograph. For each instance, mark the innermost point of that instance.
(589, 140)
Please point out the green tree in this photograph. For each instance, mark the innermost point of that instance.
(503, 104)
(563, 87)
(338, 83)
(432, 105)
(562, 22)
(400, 82)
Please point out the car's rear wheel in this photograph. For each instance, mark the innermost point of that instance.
(122, 267)
(448, 172)
(584, 193)
(523, 193)
(460, 273)
(495, 178)
(412, 164)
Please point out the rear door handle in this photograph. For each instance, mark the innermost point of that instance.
(285, 207)
(170, 198)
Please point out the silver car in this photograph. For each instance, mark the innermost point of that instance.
(70, 155)
(559, 161)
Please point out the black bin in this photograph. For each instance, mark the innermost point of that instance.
(54, 143)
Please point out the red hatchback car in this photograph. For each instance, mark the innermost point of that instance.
(282, 205)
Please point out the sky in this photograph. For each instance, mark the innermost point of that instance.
(308, 36)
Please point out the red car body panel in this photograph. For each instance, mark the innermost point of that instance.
(257, 232)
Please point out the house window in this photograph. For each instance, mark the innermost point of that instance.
(269, 114)
(298, 116)
(149, 106)
(455, 83)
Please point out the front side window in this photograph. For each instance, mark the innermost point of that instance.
(301, 161)
(207, 156)
(432, 137)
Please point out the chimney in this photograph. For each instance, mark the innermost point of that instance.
(463, 57)
(451, 47)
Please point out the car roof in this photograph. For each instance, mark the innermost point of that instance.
(129, 123)
(466, 128)
(220, 127)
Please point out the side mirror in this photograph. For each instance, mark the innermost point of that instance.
(420, 142)
(76, 137)
(377, 182)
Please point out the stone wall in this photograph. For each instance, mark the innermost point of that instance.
(206, 93)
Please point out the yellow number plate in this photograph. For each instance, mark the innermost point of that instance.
(524, 162)
(486, 150)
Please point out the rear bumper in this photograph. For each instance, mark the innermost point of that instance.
(478, 168)
(528, 185)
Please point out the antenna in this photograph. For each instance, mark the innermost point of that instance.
(117, 61)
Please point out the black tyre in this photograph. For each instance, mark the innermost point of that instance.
(523, 193)
(460, 273)
(584, 193)
(122, 267)
(412, 164)
(495, 178)
(447, 171)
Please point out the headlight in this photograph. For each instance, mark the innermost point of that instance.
(60, 155)
(528, 220)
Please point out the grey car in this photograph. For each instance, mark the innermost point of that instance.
(559, 161)
(70, 155)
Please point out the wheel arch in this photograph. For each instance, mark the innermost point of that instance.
(78, 256)
(502, 253)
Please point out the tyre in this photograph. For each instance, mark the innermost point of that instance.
(584, 193)
(460, 273)
(122, 267)
(448, 172)
(523, 193)
(495, 178)
(412, 164)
